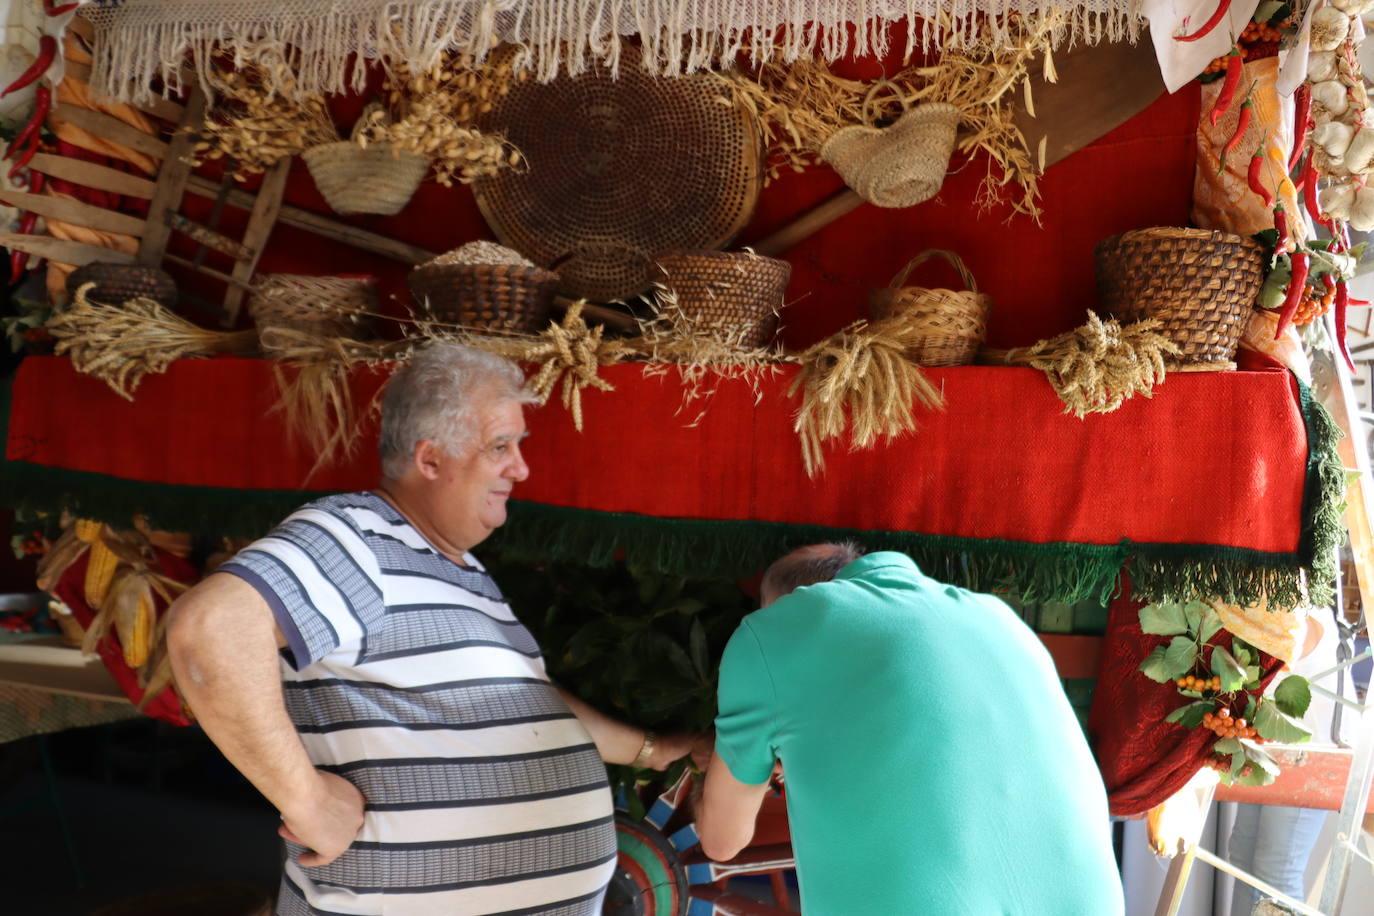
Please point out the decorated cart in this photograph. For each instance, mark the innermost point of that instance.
(1022, 290)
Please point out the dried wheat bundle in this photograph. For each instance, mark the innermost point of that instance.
(258, 115)
(121, 344)
(1096, 367)
(860, 380)
(434, 113)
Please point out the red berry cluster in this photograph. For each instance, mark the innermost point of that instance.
(1257, 41)
(1223, 765)
(1199, 684)
(1227, 727)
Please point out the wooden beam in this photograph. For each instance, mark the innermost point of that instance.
(261, 221)
(1310, 776)
(207, 236)
(110, 128)
(208, 271)
(63, 251)
(75, 212)
(171, 183)
(88, 174)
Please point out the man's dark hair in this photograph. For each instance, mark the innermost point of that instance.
(807, 566)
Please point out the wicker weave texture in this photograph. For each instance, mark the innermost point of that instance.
(901, 165)
(620, 169)
(115, 283)
(1201, 284)
(731, 294)
(952, 324)
(320, 306)
(500, 297)
(372, 180)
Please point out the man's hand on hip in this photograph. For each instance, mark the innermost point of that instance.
(327, 822)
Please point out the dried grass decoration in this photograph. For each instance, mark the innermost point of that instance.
(121, 344)
(434, 114)
(860, 379)
(1096, 367)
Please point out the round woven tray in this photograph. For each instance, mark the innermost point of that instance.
(373, 180)
(620, 169)
(951, 323)
(1200, 284)
(731, 294)
(116, 283)
(319, 306)
(503, 297)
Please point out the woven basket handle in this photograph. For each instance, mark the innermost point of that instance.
(366, 118)
(950, 257)
(882, 83)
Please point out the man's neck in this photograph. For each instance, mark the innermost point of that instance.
(413, 506)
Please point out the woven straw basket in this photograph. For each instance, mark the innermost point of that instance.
(1200, 284)
(500, 297)
(319, 306)
(372, 180)
(952, 323)
(900, 165)
(116, 283)
(733, 294)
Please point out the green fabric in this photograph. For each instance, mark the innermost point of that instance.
(933, 763)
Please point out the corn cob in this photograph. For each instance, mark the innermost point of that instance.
(100, 570)
(87, 530)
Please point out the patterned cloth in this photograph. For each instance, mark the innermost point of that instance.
(408, 675)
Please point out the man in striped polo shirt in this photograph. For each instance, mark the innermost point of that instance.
(363, 671)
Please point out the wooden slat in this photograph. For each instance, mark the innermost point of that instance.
(109, 127)
(63, 251)
(75, 212)
(261, 221)
(90, 175)
(159, 107)
(171, 183)
(208, 271)
(1310, 776)
(322, 226)
(207, 236)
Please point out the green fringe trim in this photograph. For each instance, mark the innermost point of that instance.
(1323, 505)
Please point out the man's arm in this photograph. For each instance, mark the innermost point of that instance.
(727, 811)
(619, 742)
(223, 645)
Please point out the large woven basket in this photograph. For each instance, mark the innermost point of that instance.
(1200, 284)
(372, 180)
(321, 307)
(499, 297)
(734, 295)
(115, 283)
(952, 324)
(900, 165)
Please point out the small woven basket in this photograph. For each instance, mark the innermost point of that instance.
(1200, 284)
(498, 297)
(319, 306)
(372, 180)
(735, 294)
(952, 323)
(900, 165)
(115, 283)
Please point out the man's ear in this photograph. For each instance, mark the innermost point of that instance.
(427, 458)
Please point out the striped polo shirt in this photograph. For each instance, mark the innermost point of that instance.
(408, 675)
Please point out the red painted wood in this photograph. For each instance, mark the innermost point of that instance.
(1309, 778)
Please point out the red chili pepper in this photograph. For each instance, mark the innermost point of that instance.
(52, 9)
(1209, 25)
(1302, 122)
(1342, 305)
(22, 162)
(42, 101)
(1309, 190)
(1256, 178)
(47, 50)
(1295, 288)
(1242, 125)
(1234, 65)
(1284, 241)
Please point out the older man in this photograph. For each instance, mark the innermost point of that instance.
(362, 670)
(933, 763)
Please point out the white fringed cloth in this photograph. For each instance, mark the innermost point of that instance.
(137, 40)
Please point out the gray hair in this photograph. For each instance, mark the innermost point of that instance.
(436, 395)
(808, 565)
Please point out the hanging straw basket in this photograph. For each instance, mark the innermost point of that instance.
(500, 297)
(734, 294)
(322, 307)
(373, 180)
(117, 283)
(900, 165)
(1200, 284)
(951, 324)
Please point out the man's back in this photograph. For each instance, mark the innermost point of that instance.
(933, 764)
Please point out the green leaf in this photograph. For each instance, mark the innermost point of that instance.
(1249, 708)
(1155, 667)
(1293, 695)
(1241, 651)
(1225, 666)
(1190, 716)
(1263, 768)
(1275, 725)
(1237, 763)
(1252, 677)
(1163, 620)
(1209, 626)
(1227, 746)
(1194, 612)
(1180, 656)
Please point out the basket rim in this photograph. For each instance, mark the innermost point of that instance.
(533, 274)
(1162, 233)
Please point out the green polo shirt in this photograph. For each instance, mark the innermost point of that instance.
(933, 763)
